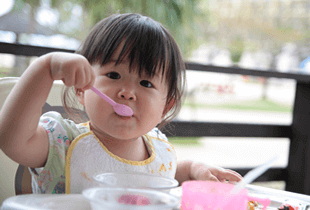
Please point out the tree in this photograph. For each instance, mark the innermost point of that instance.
(259, 24)
(179, 16)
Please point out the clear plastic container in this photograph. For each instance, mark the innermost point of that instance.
(109, 198)
(136, 180)
(46, 201)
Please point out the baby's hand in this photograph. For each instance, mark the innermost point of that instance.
(201, 171)
(72, 69)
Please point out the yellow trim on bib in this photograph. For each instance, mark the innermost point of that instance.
(136, 163)
(75, 141)
(161, 140)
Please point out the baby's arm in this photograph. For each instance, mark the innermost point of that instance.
(189, 170)
(20, 136)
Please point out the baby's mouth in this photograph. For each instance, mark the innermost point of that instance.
(124, 117)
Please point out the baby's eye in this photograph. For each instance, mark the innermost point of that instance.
(146, 83)
(113, 75)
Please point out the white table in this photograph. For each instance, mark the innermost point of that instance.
(259, 189)
(46, 201)
(78, 202)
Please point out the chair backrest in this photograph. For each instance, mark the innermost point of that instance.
(22, 181)
(54, 97)
(22, 176)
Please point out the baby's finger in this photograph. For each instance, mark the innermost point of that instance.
(90, 78)
(205, 174)
(86, 77)
(229, 175)
(212, 178)
(80, 78)
(236, 173)
(69, 79)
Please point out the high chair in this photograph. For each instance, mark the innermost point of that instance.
(22, 176)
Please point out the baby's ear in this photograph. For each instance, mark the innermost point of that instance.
(168, 107)
(80, 95)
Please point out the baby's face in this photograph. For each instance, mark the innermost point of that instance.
(145, 96)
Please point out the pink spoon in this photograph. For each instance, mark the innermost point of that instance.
(120, 109)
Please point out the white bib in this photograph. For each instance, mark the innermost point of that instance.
(87, 156)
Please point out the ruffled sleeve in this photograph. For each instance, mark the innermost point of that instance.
(61, 132)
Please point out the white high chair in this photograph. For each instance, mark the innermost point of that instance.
(22, 176)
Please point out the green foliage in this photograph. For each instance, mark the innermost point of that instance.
(37, 3)
(236, 48)
(178, 16)
(18, 5)
(254, 105)
(185, 141)
(4, 72)
(32, 3)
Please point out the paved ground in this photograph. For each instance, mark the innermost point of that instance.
(235, 116)
(236, 152)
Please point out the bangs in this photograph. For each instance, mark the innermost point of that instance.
(145, 51)
(145, 44)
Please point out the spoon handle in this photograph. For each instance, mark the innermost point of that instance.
(103, 96)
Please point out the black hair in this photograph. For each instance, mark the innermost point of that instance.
(147, 44)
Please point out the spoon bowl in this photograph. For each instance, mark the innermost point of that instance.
(120, 109)
(123, 110)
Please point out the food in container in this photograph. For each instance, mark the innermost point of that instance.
(109, 198)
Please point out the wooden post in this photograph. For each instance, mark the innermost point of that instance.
(298, 169)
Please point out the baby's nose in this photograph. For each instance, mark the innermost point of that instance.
(127, 94)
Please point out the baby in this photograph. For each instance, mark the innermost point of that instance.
(135, 61)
